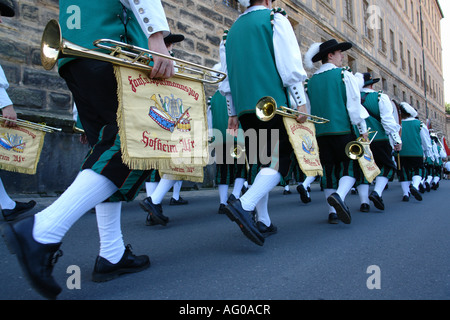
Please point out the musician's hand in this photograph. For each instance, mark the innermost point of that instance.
(233, 126)
(162, 67)
(365, 136)
(8, 112)
(302, 117)
(398, 147)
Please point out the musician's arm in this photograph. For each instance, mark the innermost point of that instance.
(6, 104)
(357, 113)
(153, 22)
(390, 126)
(288, 59)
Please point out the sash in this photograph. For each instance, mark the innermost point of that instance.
(303, 140)
(20, 148)
(367, 163)
(162, 124)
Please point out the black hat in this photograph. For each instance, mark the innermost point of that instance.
(7, 8)
(329, 47)
(368, 80)
(173, 38)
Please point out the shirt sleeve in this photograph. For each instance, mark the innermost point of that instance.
(426, 142)
(288, 58)
(224, 86)
(390, 126)
(4, 98)
(150, 15)
(357, 113)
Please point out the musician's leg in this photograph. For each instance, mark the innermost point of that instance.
(163, 187)
(5, 201)
(108, 223)
(265, 181)
(237, 188)
(87, 190)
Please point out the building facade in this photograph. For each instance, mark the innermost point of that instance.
(398, 40)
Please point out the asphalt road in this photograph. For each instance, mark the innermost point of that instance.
(401, 253)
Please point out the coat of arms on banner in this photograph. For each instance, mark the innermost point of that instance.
(162, 123)
(20, 148)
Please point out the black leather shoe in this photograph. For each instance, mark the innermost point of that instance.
(155, 215)
(405, 199)
(421, 188)
(231, 198)
(332, 218)
(286, 192)
(427, 187)
(434, 186)
(364, 207)
(222, 209)
(178, 202)
(21, 207)
(105, 270)
(36, 259)
(303, 194)
(245, 220)
(342, 211)
(266, 230)
(415, 193)
(377, 200)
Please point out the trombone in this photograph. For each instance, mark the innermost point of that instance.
(355, 149)
(32, 125)
(267, 108)
(54, 47)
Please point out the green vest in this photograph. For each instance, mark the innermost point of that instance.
(328, 98)
(252, 71)
(84, 21)
(371, 104)
(219, 113)
(412, 143)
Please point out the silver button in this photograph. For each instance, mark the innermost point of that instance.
(141, 10)
(146, 20)
(136, 1)
(150, 29)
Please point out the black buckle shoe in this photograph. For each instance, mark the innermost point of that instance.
(364, 207)
(21, 207)
(36, 259)
(245, 220)
(222, 209)
(155, 215)
(178, 202)
(415, 193)
(303, 194)
(342, 211)
(266, 230)
(377, 200)
(129, 263)
(332, 218)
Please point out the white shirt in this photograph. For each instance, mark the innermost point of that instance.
(356, 112)
(4, 98)
(150, 15)
(390, 125)
(288, 59)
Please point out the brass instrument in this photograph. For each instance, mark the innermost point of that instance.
(54, 47)
(32, 125)
(267, 108)
(355, 149)
(237, 152)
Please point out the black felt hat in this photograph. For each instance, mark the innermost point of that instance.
(7, 8)
(331, 46)
(368, 80)
(173, 38)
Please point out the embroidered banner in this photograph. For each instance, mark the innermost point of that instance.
(303, 139)
(367, 163)
(20, 148)
(162, 123)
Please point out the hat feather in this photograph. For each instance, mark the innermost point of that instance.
(360, 77)
(245, 3)
(313, 50)
(410, 110)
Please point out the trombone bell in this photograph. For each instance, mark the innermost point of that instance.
(267, 108)
(354, 150)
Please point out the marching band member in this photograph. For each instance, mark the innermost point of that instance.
(333, 93)
(103, 175)
(439, 155)
(262, 58)
(381, 120)
(10, 209)
(414, 135)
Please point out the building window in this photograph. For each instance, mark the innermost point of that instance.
(381, 41)
(402, 56)
(368, 32)
(348, 10)
(393, 52)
